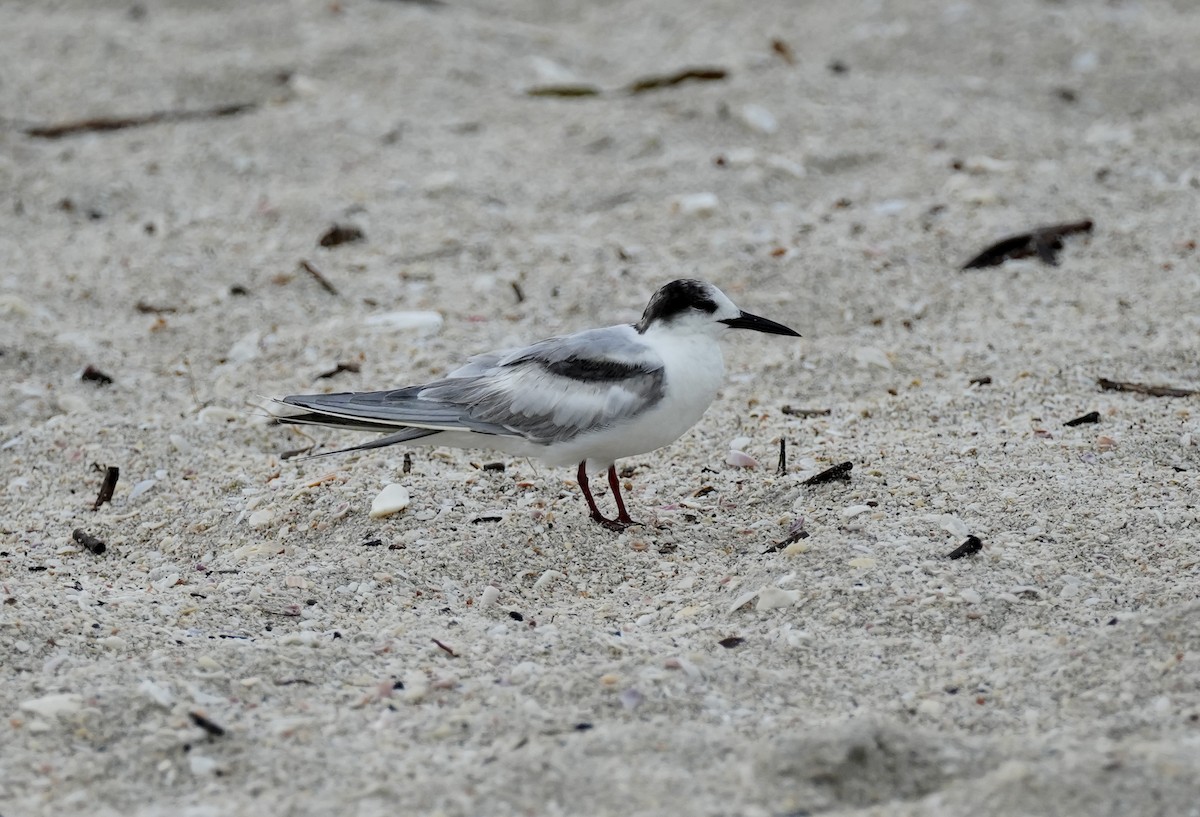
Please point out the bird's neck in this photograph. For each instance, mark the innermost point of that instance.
(697, 353)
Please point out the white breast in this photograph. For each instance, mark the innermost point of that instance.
(693, 370)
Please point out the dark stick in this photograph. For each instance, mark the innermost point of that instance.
(442, 646)
(801, 412)
(569, 89)
(407, 468)
(111, 123)
(1044, 242)
(320, 279)
(839, 471)
(782, 457)
(338, 369)
(88, 541)
(1142, 388)
(111, 474)
(1090, 417)
(795, 534)
(968, 548)
(667, 80)
(213, 729)
(520, 293)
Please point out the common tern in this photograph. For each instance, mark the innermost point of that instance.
(588, 398)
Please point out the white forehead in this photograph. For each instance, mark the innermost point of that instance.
(725, 307)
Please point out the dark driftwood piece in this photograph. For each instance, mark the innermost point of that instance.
(1090, 417)
(836, 472)
(1044, 242)
(111, 474)
(1142, 388)
(653, 83)
(968, 548)
(90, 542)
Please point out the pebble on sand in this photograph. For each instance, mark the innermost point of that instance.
(392, 499)
(758, 119)
(202, 765)
(546, 578)
(696, 204)
(740, 459)
(218, 415)
(396, 321)
(868, 356)
(970, 595)
(49, 706)
(261, 518)
(770, 598)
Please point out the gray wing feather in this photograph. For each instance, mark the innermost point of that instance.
(549, 392)
(407, 435)
(376, 410)
(559, 388)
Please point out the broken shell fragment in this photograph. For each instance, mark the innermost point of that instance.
(392, 499)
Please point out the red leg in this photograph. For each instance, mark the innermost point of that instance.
(614, 483)
(622, 521)
(582, 479)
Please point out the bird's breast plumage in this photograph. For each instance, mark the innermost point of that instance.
(693, 369)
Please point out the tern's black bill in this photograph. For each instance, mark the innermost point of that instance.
(748, 321)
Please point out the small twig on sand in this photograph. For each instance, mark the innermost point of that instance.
(88, 541)
(111, 123)
(213, 729)
(653, 83)
(795, 533)
(791, 411)
(111, 474)
(1142, 388)
(445, 648)
(1090, 417)
(319, 278)
(968, 548)
(836, 472)
(350, 366)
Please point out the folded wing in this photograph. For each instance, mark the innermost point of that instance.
(549, 392)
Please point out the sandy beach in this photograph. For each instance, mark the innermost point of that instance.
(251, 641)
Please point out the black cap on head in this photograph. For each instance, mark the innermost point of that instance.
(676, 298)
